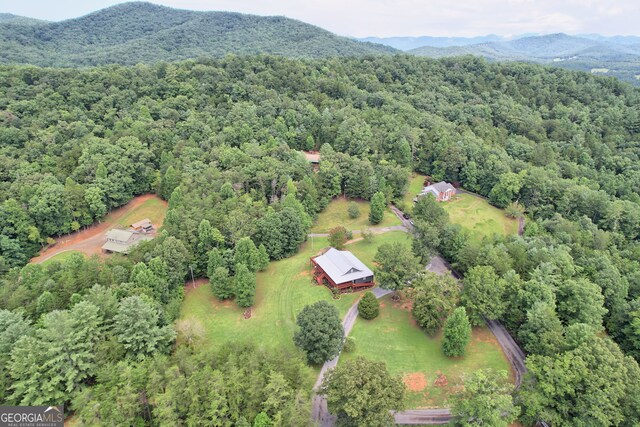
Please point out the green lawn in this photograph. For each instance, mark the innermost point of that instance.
(479, 217)
(336, 214)
(282, 291)
(396, 339)
(416, 184)
(154, 208)
(61, 257)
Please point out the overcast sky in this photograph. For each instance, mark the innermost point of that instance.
(385, 18)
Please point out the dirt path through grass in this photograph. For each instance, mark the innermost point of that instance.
(90, 240)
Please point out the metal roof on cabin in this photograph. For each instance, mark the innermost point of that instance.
(116, 247)
(119, 235)
(142, 223)
(342, 266)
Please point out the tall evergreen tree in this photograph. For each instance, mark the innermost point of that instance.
(457, 333)
(222, 285)
(376, 212)
(245, 286)
(369, 306)
(137, 326)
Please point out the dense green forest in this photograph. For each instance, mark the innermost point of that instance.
(220, 140)
(136, 32)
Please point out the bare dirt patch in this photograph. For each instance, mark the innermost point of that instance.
(441, 380)
(190, 286)
(403, 304)
(484, 335)
(415, 381)
(304, 273)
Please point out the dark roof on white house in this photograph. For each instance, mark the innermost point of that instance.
(438, 187)
(342, 266)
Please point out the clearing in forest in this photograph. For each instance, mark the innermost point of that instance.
(283, 290)
(89, 241)
(337, 214)
(431, 377)
(61, 257)
(479, 217)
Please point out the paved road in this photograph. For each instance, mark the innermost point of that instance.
(514, 353)
(405, 222)
(320, 412)
(439, 416)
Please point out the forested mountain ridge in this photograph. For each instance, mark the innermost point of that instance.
(137, 32)
(220, 140)
(618, 57)
(6, 18)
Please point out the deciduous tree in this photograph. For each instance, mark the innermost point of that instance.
(485, 400)
(362, 392)
(396, 266)
(320, 334)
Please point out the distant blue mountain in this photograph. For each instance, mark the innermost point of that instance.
(408, 43)
(617, 56)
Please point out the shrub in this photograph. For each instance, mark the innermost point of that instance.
(349, 345)
(514, 210)
(354, 210)
(338, 236)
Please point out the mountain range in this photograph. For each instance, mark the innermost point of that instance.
(141, 32)
(617, 56)
(136, 32)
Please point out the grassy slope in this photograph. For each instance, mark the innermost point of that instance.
(336, 214)
(61, 257)
(155, 209)
(395, 338)
(479, 217)
(282, 291)
(416, 183)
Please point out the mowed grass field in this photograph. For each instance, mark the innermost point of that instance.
(337, 214)
(61, 257)
(479, 217)
(283, 290)
(395, 338)
(153, 208)
(416, 184)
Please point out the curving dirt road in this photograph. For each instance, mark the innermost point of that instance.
(90, 240)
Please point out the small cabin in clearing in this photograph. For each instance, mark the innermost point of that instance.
(121, 241)
(341, 270)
